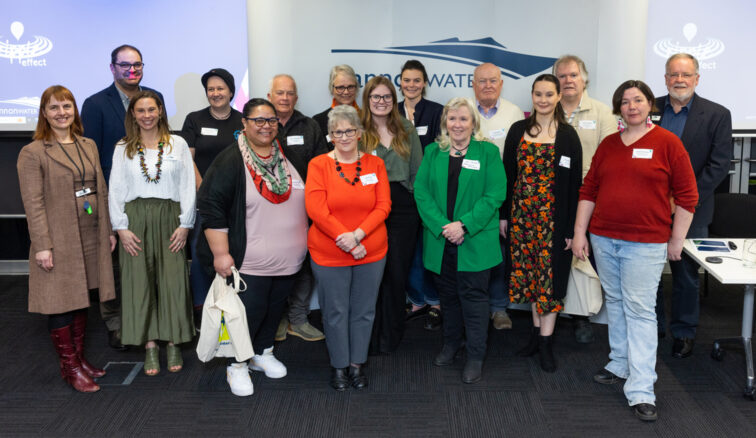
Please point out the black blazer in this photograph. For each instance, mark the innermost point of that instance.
(427, 113)
(322, 120)
(566, 193)
(707, 137)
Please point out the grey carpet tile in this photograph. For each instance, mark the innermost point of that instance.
(489, 414)
(391, 414)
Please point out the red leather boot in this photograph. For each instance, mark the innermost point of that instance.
(69, 362)
(79, 329)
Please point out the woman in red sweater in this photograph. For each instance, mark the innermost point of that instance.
(638, 178)
(348, 198)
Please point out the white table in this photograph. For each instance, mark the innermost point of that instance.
(732, 271)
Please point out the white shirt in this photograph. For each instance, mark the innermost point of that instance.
(176, 181)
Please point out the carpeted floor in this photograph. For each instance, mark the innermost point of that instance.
(407, 395)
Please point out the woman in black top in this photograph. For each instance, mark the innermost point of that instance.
(344, 87)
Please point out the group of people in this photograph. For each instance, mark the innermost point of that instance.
(390, 210)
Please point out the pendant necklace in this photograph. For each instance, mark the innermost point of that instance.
(341, 171)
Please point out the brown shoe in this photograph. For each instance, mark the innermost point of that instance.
(501, 320)
(79, 328)
(69, 362)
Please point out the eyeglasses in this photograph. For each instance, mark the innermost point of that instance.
(349, 133)
(375, 98)
(261, 121)
(342, 88)
(129, 66)
(680, 75)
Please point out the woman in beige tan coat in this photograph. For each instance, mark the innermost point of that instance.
(66, 202)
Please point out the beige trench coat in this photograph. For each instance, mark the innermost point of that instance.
(51, 212)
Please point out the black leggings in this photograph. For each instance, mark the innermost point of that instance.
(60, 320)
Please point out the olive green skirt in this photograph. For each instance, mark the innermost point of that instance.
(155, 300)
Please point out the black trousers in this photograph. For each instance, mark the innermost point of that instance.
(402, 228)
(264, 302)
(464, 301)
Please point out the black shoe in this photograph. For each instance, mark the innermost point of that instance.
(417, 313)
(339, 379)
(606, 377)
(548, 363)
(682, 347)
(645, 411)
(434, 320)
(473, 371)
(114, 340)
(583, 331)
(446, 356)
(532, 347)
(357, 378)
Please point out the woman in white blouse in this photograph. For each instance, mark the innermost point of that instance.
(152, 196)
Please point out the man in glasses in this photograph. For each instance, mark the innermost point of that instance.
(102, 115)
(705, 129)
(302, 140)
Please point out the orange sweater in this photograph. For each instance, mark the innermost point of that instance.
(337, 207)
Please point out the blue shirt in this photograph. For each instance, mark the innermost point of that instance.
(675, 122)
(490, 113)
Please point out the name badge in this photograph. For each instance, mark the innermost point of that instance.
(369, 179)
(655, 118)
(328, 138)
(375, 152)
(294, 140)
(564, 161)
(643, 153)
(84, 192)
(587, 124)
(422, 130)
(297, 184)
(209, 131)
(497, 134)
(471, 164)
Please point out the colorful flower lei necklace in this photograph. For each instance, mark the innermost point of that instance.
(140, 151)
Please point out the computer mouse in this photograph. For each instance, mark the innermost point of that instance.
(732, 245)
(714, 259)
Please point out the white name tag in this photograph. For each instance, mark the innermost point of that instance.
(375, 152)
(655, 118)
(209, 131)
(368, 179)
(294, 139)
(422, 130)
(328, 138)
(471, 164)
(643, 153)
(587, 124)
(297, 184)
(564, 161)
(497, 133)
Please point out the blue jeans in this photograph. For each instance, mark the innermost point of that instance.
(630, 273)
(420, 289)
(498, 288)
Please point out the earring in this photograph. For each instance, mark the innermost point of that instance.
(620, 126)
(649, 123)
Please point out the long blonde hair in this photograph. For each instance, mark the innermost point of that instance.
(133, 136)
(370, 138)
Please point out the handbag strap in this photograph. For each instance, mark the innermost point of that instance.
(238, 280)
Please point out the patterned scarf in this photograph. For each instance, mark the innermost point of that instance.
(270, 175)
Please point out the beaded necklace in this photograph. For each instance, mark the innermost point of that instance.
(140, 151)
(341, 172)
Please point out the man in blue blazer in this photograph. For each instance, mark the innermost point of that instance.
(102, 115)
(705, 129)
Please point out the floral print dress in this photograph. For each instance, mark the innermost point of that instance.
(532, 228)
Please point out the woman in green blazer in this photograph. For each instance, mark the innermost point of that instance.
(458, 189)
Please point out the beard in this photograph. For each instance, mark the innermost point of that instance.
(681, 94)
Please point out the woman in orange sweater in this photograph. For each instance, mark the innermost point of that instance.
(348, 198)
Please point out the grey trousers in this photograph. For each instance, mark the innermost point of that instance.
(347, 296)
(299, 298)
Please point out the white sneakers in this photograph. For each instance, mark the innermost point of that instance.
(273, 368)
(238, 379)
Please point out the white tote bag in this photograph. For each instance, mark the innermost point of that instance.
(224, 331)
(583, 289)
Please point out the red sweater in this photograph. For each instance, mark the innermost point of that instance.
(632, 186)
(337, 207)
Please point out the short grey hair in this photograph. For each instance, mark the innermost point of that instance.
(678, 56)
(443, 140)
(341, 69)
(282, 75)
(344, 113)
(572, 58)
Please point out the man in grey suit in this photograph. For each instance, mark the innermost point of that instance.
(705, 129)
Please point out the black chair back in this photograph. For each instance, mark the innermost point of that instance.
(734, 216)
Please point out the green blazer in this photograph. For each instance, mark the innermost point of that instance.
(479, 197)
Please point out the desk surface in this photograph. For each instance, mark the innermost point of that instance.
(730, 271)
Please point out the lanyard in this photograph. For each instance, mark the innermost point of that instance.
(83, 170)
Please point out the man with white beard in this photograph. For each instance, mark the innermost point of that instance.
(705, 129)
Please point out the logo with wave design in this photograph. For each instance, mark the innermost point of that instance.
(705, 50)
(20, 51)
(474, 52)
